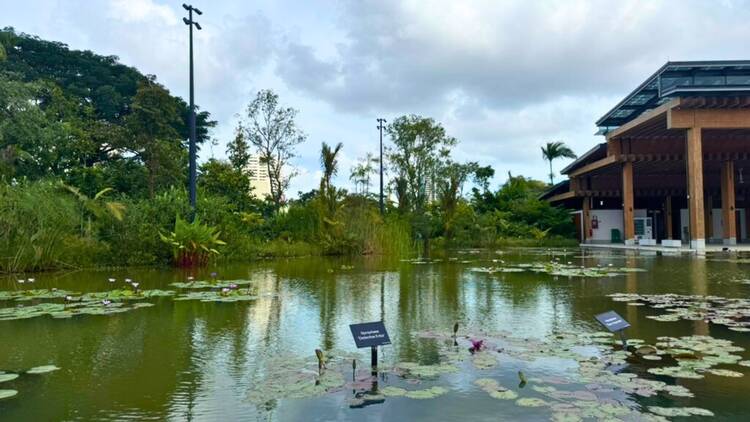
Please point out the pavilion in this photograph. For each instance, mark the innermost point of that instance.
(671, 171)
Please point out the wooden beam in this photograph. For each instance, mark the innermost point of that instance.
(596, 165)
(693, 151)
(561, 197)
(643, 118)
(728, 203)
(708, 118)
(627, 203)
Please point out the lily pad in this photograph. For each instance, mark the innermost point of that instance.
(5, 394)
(428, 393)
(8, 377)
(531, 402)
(42, 369)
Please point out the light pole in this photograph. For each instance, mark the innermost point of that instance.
(192, 149)
(380, 128)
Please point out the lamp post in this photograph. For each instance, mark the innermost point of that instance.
(380, 128)
(192, 149)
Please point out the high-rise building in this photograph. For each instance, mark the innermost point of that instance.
(259, 180)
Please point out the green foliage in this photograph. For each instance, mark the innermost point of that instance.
(272, 130)
(193, 244)
(39, 229)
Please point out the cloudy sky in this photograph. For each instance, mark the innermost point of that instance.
(503, 77)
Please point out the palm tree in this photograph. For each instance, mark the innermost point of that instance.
(554, 150)
(329, 162)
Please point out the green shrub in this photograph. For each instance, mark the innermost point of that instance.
(193, 244)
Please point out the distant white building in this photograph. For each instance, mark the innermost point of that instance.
(259, 180)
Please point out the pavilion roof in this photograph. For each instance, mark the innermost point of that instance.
(680, 79)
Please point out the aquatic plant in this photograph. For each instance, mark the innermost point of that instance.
(193, 244)
(731, 312)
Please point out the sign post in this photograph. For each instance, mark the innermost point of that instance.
(612, 321)
(372, 335)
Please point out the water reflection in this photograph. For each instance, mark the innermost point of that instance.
(197, 361)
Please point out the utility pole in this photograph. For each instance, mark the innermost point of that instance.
(192, 150)
(380, 128)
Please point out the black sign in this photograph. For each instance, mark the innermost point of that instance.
(370, 334)
(612, 321)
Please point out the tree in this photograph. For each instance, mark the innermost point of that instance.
(271, 129)
(222, 178)
(421, 149)
(239, 150)
(452, 178)
(554, 150)
(153, 137)
(362, 171)
(328, 193)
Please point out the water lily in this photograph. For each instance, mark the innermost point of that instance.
(190, 278)
(31, 280)
(106, 302)
(127, 280)
(225, 290)
(232, 286)
(111, 280)
(21, 281)
(476, 345)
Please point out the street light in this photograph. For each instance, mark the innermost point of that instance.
(380, 128)
(192, 172)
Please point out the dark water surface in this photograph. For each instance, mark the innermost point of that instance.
(198, 361)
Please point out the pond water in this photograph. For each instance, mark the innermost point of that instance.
(249, 353)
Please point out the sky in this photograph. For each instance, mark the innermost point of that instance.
(502, 76)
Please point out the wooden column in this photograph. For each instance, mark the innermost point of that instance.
(729, 224)
(708, 216)
(668, 216)
(627, 203)
(586, 215)
(694, 157)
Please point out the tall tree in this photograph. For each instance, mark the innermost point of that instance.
(554, 150)
(452, 178)
(153, 137)
(420, 149)
(239, 150)
(362, 172)
(329, 194)
(271, 129)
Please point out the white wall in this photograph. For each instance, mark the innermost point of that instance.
(717, 224)
(608, 220)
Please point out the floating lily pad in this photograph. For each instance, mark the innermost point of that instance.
(531, 402)
(5, 394)
(8, 377)
(428, 393)
(725, 373)
(679, 411)
(42, 369)
(391, 391)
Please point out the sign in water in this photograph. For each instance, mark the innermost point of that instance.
(370, 334)
(612, 321)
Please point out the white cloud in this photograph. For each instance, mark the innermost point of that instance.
(503, 77)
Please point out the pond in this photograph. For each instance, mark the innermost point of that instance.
(240, 344)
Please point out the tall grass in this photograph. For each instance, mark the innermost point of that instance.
(39, 229)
